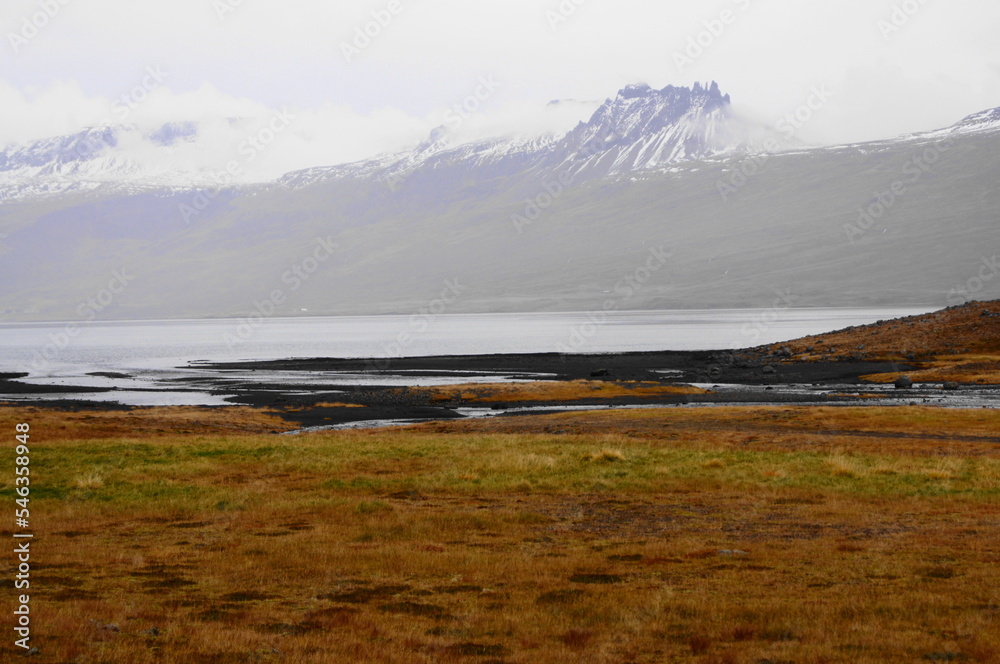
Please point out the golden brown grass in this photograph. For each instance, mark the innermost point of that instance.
(929, 334)
(960, 344)
(145, 422)
(674, 535)
(982, 369)
(554, 391)
(339, 405)
(910, 431)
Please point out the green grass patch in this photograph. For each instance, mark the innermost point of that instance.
(383, 463)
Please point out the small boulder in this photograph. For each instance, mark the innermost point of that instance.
(599, 373)
(950, 386)
(769, 370)
(904, 383)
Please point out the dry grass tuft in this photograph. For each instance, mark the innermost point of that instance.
(843, 466)
(605, 456)
(699, 644)
(91, 480)
(577, 639)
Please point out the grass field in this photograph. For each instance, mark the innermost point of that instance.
(722, 535)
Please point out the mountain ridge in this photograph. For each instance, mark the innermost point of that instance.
(641, 174)
(639, 129)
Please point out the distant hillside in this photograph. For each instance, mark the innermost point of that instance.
(959, 343)
(969, 328)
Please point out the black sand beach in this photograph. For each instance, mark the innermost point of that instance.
(756, 377)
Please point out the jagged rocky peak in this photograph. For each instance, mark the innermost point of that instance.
(640, 110)
(639, 107)
(709, 91)
(643, 128)
(634, 91)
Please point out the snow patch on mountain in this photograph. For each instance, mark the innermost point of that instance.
(988, 119)
(120, 157)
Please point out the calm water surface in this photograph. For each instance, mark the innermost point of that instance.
(54, 350)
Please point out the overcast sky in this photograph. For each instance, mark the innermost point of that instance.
(927, 66)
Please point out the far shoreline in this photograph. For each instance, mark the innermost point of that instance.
(948, 358)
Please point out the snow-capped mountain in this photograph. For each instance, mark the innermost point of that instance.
(123, 159)
(644, 128)
(640, 129)
(550, 222)
(95, 158)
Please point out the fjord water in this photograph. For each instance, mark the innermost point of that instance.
(72, 349)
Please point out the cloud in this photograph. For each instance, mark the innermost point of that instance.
(264, 142)
(264, 56)
(58, 108)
